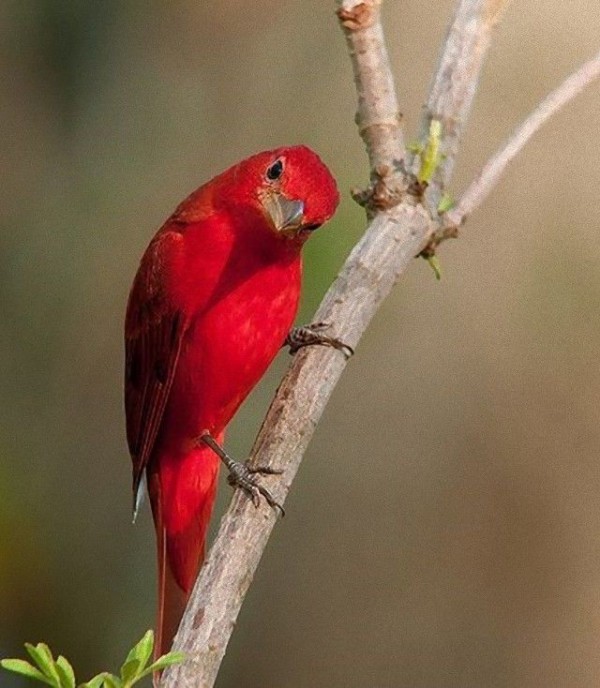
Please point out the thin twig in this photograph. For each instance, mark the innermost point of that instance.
(494, 168)
(378, 116)
(456, 78)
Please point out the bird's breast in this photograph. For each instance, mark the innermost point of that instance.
(229, 347)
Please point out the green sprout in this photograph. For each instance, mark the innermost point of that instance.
(445, 204)
(59, 673)
(435, 265)
(430, 153)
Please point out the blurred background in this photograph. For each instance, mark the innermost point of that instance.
(444, 529)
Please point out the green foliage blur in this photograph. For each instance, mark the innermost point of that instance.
(443, 530)
(59, 673)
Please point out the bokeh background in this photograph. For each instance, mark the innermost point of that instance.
(444, 529)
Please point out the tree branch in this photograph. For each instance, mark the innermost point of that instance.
(384, 252)
(378, 117)
(489, 176)
(399, 230)
(456, 78)
(392, 239)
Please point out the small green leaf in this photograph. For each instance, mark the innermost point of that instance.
(435, 266)
(20, 666)
(38, 656)
(96, 682)
(42, 656)
(65, 672)
(430, 155)
(446, 202)
(165, 661)
(142, 650)
(112, 681)
(415, 147)
(103, 680)
(130, 670)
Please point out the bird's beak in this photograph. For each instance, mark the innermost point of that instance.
(287, 215)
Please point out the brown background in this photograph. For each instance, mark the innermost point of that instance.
(445, 527)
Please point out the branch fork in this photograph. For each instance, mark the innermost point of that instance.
(400, 227)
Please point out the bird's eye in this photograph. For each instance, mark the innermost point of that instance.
(275, 170)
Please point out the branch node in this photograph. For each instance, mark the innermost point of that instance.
(437, 238)
(360, 16)
(386, 190)
(391, 123)
(417, 188)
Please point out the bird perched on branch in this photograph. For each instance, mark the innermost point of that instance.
(213, 300)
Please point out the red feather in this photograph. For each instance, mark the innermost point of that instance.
(215, 295)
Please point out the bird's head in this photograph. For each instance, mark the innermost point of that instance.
(290, 187)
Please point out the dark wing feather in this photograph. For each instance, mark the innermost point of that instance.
(154, 331)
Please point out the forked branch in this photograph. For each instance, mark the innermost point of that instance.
(399, 229)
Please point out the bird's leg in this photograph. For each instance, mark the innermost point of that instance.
(308, 335)
(244, 476)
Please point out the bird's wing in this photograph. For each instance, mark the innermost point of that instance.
(154, 330)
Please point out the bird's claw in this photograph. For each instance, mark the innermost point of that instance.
(242, 475)
(309, 335)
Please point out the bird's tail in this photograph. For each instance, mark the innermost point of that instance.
(182, 491)
(172, 600)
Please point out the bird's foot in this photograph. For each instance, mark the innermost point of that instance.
(309, 335)
(245, 476)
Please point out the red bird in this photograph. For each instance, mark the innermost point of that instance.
(213, 300)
